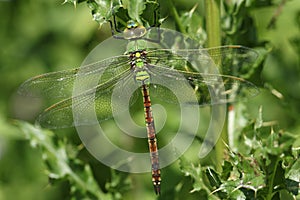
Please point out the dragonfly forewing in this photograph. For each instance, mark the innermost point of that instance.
(60, 84)
(228, 60)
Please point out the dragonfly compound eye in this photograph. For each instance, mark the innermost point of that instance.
(132, 24)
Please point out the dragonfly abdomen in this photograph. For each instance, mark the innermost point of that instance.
(138, 62)
(151, 133)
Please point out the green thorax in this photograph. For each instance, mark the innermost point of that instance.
(136, 49)
(138, 62)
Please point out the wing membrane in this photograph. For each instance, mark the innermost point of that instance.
(60, 84)
(98, 99)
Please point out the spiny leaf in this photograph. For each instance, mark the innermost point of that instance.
(189, 169)
(101, 10)
(192, 25)
(213, 177)
(61, 164)
(119, 184)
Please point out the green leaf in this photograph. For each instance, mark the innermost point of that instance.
(213, 177)
(192, 24)
(293, 178)
(135, 9)
(293, 186)
(226, 170)
(119, 184)
(101, 10)
(294, 172)
(189, 169)
(237, 17)
(231, 189)
(61, 163)
(74, 2)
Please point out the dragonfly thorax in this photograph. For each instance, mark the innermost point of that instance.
(138, 62)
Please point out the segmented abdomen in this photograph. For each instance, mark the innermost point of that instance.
(156, 179)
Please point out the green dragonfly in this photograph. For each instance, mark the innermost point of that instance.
(141, 65)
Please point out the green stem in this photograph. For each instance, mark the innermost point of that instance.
(176, 17)
(271, 183)
(213, 30)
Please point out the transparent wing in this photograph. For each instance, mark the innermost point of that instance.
(96, 100)
(60, 84)
(215, 74)
(229, 60)
(208, 89)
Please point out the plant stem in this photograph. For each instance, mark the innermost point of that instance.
(213, 29)
(176, 17)
(271, 183)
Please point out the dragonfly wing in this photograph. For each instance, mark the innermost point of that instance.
(60, 84)
(87, 108)
(231, 60)
(55, 84)
(207, 88)
(234, 60)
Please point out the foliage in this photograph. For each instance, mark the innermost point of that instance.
(42, 36)
(63, 164)
(103, 10)
(265, 166)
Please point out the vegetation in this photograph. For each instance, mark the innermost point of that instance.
(256, 158)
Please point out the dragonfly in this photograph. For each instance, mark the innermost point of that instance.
(140, 65)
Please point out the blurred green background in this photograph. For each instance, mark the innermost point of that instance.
(39, 36)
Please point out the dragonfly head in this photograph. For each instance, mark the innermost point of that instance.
(132, 24)
(134, 30)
